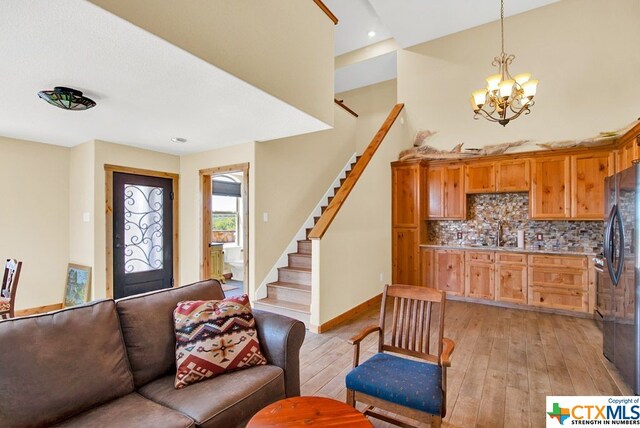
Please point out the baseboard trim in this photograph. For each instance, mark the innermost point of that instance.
(38, 310)
(351, 313)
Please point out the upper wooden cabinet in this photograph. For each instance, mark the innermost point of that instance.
(481, 177)
(627, 153)
(588, 172)
(550, 184)
(512, 175)
(498, 176)
(445, 184)
(407, 195)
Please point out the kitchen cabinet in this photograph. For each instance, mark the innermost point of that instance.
(588, 172)
(426, 268)
(408, 211)
(448, 274)
(479, 274)
(513, 175)
(559, 282)
(511, 278)
(445, 184)
(480, 177)
(627, 153)
(549, 198)
(498, 176)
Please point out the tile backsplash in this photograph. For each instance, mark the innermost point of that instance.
(485, 210)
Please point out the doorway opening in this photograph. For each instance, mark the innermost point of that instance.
(225, 220)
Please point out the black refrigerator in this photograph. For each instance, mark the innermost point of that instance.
(618, 284)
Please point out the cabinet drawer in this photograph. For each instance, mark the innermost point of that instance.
(511, 258)
(578, 262)
(558, 278)
(558, 298)
(479, 256)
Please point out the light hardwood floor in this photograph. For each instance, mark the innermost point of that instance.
(505, 363)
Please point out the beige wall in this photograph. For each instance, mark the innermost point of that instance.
(356, 249)
(116, 154)
(34, 218)
(584, 52)
(82, 191)
(284, 47)
(191, 206)
(292, 175)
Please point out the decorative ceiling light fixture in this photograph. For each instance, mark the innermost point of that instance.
(67, 98)
(505, 97)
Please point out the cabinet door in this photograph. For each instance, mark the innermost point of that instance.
(512, 175)
(480, 177)
(511, 283)
(405, 195)
(559, 298)
(626, 155)
(550, 184)
(404, 248)
(435, 186)
(449, 271)
(426, 268)
(479, 279)
(454, 207)
(588, 172)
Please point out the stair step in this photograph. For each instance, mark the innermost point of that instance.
(304, 246)
(335, 190)
(301, 260)
(315, 219)
(342, 180)
(292, 310)
(308, 230)
(353, 164)
(294, 275)
(323, 208)
(358, 158)
(289, 292)
(330, 199)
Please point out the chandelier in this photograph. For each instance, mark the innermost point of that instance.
(505, 97)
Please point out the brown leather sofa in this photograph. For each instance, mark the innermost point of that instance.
(112, 363)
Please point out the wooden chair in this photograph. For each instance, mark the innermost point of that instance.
(8, 289)
(404, 386)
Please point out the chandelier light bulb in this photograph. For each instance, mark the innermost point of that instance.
(493, 81)
(529, 88)
(522, 78)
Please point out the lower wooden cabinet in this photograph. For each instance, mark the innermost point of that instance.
(448, 273)
(479, 275)
(560, 282)
(426, 268)
(511, 283)
(405, 269)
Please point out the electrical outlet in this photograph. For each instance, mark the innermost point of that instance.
(459, 234)
(539, 237)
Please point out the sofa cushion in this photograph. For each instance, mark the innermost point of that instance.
(147, 326)
(55, 365)
(223, 401)
(214, 337)
(132, 410)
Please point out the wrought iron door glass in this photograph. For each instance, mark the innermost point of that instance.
(143, 225)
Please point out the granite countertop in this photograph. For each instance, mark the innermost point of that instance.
(532, 250)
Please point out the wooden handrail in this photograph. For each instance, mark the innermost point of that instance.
(344, 106)
(326, 10)
(343, 192)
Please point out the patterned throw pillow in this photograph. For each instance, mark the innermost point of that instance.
(214, 337)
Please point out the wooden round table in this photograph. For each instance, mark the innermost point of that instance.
(308, 411)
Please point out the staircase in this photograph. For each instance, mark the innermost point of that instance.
(290, 295)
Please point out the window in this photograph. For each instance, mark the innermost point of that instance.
(225, 204)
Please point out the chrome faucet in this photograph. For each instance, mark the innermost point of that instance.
(499, 234)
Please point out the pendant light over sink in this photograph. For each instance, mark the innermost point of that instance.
(505, 97)
(67, 98)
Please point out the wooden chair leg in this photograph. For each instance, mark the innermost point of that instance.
(351, 398)
(436, 421)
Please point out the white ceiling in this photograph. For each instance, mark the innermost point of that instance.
(409, 22)
(147, 90)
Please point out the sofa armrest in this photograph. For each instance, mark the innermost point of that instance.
(281, 338)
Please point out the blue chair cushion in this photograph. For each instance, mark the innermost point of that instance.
(409, 383)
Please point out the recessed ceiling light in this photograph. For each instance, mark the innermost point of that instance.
(371, 34)
(179, 140)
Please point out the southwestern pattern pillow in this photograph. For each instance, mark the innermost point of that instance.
(214, 337)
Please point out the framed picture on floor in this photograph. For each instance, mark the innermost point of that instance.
(78, 285)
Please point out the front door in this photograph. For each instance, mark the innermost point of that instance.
(142, 234)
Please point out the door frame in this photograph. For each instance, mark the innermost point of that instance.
(109, 170)
(206, 176)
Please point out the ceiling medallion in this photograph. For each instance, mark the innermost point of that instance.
(505, 97)
(67, 98)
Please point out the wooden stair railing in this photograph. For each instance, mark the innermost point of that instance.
(326, 10)
(343, 192)
(344, 106)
